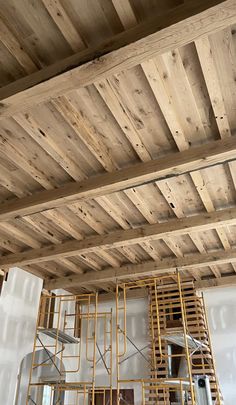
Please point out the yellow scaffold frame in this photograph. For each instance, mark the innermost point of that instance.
(54, 351)
(155, 384)
(160, 309)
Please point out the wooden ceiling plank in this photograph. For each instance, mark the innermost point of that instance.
(19, 159)
(65, 25)
(68, 226)
(22, 236)
(125, 12)
(13, 182)
(85, 131)
(119, 217)
(124, 238)
(98, 227)
(107, 90)
(170, 198)
(164, 98)
(164, 167)
(71, 266)
(195, 262)
(122, 116)
(171, 30)
(16, 49)
(157, 84)
(141, 206)
(37, 225)
(206, 58)
(208, 66)
(28, 122)
(89, 261)
(43, 270)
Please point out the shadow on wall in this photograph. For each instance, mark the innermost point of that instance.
(221, 310)
(40, 374)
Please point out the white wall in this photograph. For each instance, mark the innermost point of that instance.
(19, 302)
(49, 373)
(221, 310)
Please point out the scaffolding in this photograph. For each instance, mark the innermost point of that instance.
(66, 324)
(179, 342)
(76, 339)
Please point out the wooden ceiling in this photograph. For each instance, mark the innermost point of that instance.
(117, 146)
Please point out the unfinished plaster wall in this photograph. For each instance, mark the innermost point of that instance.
(221, 311)
(39, 374)
(19, 302)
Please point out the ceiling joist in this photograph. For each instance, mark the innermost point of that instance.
(194, 262)
(172, 165)
(226, 281)
(122, 238)
(168, 31)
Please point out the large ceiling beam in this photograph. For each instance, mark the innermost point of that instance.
(116, 239)
(226, 281)
(162, 168)
(170, 265)
(168, 31)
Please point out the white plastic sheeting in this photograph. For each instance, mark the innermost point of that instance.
(19, 302)
(221, 310)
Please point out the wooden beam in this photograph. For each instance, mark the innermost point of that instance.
(169, 265)
(165, 167)
(122, 238)
(130, 295)
(226, 281)
(171, 30)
